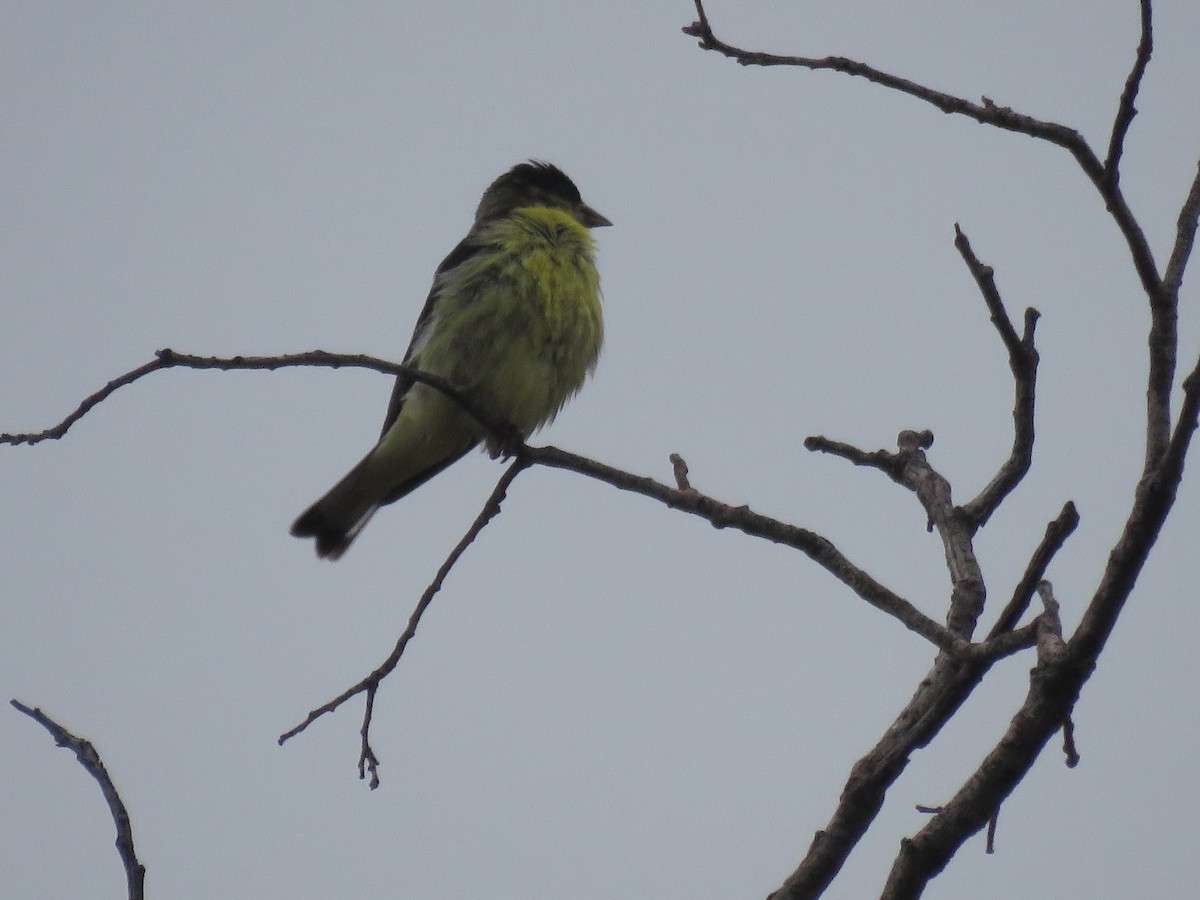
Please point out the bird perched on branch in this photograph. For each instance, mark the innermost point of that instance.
(513, 322)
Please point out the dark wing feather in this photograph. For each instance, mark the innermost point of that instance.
(466, 249)
(407, 487)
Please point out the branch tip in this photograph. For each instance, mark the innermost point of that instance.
(910, 441)
(1031, 320)
(991, 832)
(1069, 749)
(680, 469)
(1126, 107)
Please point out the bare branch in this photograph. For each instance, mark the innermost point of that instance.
(1056, 535)
(819, 549)
(1164, 343)
(169, 359)
(985, 112)
(1163, 348)
(687, 499)
(1163, 332)
(985, 278)
(938, 697)
(368, 762)
(1057, 680)
(85, 752)
(939, 694)
(1023, 361)
(90, 401)
(1155, 497)
(885, 461)
(967, 592)
(1046, 707)
(1126, 109)
(910, 468)
(1163, 337)
(1059, 676)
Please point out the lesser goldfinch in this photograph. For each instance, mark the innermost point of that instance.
(513, 321)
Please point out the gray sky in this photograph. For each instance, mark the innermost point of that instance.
(608, 700)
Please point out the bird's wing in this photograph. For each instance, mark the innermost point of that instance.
(467, 248)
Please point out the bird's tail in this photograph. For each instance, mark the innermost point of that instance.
(336, 519)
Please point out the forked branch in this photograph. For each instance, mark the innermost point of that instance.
(1063, 664)
(1023, 361)
(985, 112)
(1056, 535)
(368, 762)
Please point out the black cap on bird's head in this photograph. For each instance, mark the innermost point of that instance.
(536, 183)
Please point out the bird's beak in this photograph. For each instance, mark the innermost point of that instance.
(590, 218)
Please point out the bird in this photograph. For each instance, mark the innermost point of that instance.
(513, 321)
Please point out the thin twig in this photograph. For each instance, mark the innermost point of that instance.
(991, 832)
(85, 752)
(884, 460)
(1153, 501)
(985, 278)
(84, 408)
(1056, 535)
(1126, 109)
(368, 761)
